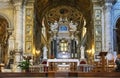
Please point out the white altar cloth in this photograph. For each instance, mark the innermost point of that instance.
(63, 60)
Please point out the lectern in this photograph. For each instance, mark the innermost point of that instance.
(102, 55)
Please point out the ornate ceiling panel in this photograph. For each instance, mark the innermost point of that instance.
(68, 12)
(42, 6)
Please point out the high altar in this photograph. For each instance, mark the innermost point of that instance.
(64, 54)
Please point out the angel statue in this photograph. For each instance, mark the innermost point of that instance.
(73, 26)
(54, 26)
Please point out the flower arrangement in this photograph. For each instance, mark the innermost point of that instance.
(24, 65)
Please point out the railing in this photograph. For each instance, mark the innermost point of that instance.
(85, 68)
(38, 68)
(44, 68)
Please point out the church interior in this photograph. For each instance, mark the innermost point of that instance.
(59, 36)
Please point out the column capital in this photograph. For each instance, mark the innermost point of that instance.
(98, 2)
(17, 4)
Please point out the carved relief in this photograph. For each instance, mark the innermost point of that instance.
(97, 22)
(98, 30)
(98, 14)
(29, 30)
(28, 47)
(98, 46)
(29, 15)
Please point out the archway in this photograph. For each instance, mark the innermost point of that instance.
(3, 40)
(117, 36)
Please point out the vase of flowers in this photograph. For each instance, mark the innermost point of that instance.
(24, 65)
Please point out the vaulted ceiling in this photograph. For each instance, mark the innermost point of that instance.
(74, 10)
(72, 7)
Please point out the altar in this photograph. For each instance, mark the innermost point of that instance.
(62, 64)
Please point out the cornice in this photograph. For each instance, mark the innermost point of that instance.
(98, 2)
(5, 4)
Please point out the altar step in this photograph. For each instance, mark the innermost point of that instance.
(60, 74)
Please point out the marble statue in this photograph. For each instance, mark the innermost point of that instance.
(45, 52)
(82, 48)
(54, 26)
(73, 26)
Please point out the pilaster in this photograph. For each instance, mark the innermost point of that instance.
(98, 23)
(108, 29)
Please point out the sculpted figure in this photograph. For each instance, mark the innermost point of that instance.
(54, 26)
(73, 26)
(45, 52)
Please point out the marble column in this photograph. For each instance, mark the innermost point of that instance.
(19, 26)
(17, 59)
(55, 48)
(108, 33)
(0, 54)
(19, 35)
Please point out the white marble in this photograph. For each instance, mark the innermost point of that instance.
(19, 28)
(54, 26)
(82, 48)
(19, 35)
(108, 26)
(62, 61)
(73, 26)
(45, 52)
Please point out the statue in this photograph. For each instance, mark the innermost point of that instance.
(54, 26)
(73, 26)
(45, 52)
(82, 52)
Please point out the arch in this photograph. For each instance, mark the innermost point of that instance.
(8, 20)
(115, 20)
(4, 37)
